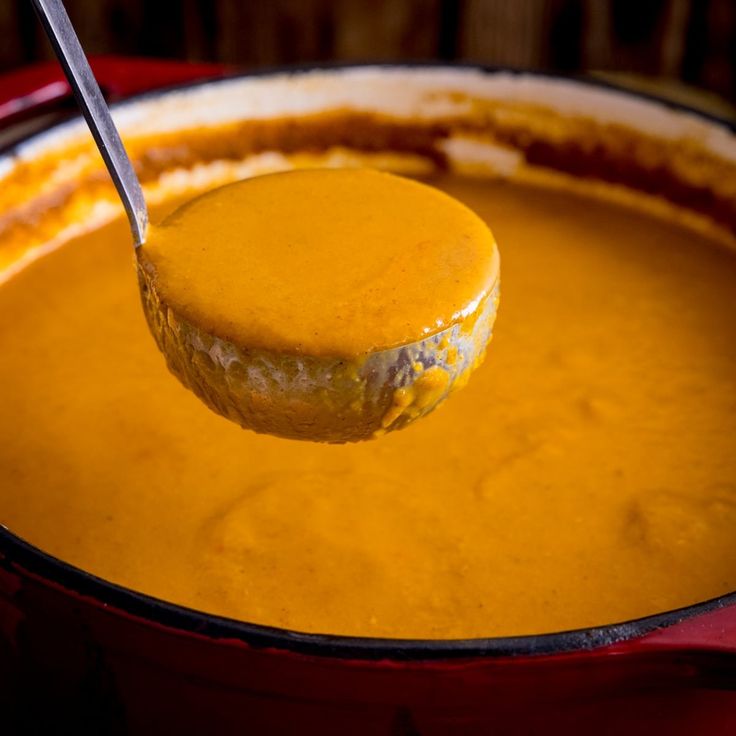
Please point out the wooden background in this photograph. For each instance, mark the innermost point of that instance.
(693, 41)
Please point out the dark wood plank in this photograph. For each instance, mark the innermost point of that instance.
(718, 70)
(690, 40)
(278, 32)
(506, 33)
(12, 48)
(108, 26)
(386, 29)
(628, 36)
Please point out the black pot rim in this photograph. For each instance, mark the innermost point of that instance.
(17, 555)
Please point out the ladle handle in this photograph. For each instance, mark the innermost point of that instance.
(66, 45)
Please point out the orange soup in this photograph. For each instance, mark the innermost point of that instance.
(586, 474)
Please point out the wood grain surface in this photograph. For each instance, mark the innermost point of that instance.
(693, 41)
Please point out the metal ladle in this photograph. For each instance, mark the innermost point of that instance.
(69, 51)
(295, 396)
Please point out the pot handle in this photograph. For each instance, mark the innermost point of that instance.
(31, 89)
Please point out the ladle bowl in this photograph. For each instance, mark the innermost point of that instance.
(328, 399)
(296, 396)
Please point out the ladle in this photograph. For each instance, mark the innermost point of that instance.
(295, 396)
(69, 51)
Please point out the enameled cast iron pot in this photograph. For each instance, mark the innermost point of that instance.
(78, 654)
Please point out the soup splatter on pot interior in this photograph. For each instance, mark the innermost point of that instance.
(586, 475)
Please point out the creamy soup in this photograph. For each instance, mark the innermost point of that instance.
(322, 261)
(321, 304)
(586, 474)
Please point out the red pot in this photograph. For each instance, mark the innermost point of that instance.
(79, 655)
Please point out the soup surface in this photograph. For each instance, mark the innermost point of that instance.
(307, 261)
(586, 475)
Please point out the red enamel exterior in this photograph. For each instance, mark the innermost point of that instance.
(35, 88)
(85, 657)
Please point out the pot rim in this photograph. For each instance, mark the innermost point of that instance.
(18, 555)
(606, 85)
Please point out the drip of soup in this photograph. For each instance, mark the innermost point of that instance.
(586, 475)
